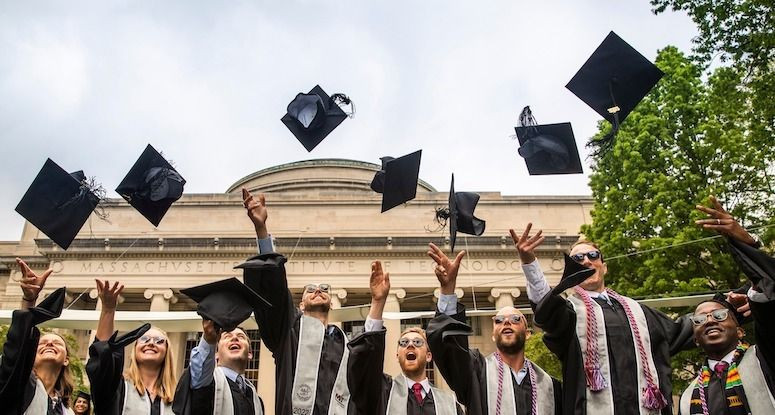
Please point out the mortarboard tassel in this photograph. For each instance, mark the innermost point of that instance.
(602, 145)
(92, 190)
(342, 99)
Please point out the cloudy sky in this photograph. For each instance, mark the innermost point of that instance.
(89, 84)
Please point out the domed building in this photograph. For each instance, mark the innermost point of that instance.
(327, 221)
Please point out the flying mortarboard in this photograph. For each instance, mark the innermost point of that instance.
(152, 185)
(613, 81)
(58, 203)
(227, 302)
(460, 214)
(397, 181)
(547, 148)
(572, 275)
(312, 116)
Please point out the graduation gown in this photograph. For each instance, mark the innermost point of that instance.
(760, 269)
(201, 401)
(464, 369)
(20, 389)
(279, 328)
(111, 393)
(370, 388)
(556, 316)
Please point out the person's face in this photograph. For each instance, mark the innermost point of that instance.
(81, 405)
(316, 297)
(716, 337)
(151, 348)
(234, 346)
(413, 357)
(597, 280)
(509, 330)
(51, 349)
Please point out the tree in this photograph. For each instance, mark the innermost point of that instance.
(537, 352)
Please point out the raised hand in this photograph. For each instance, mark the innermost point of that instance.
(446, 269)
(31, 283)
(379, 283)
(722, 222)
(526, 244)
(210, 330)
(257, 212)
(109, 294)
(740, 301)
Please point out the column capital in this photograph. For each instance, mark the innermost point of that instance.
(165, 293)
(399, 293)
(499, 291)
(340, 293)
(437, 293)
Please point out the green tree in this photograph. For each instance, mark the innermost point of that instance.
(536, 351)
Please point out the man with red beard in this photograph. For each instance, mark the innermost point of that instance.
(377, 393)
(503, 383)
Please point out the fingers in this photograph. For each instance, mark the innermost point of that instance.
(459, 257)
(526, 233)
(435, 253)
(514, 237)
(717, 205)
(261, 199)
(535, 238)
(45, 276)
(709, 211)
(533, 245)
(435, 257)
(23, 265)
(245, 195)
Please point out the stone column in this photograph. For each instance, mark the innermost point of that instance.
(338, 297)
(502, 297)
(392, 304)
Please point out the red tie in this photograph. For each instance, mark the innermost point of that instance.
(417, 389)
(721, 368)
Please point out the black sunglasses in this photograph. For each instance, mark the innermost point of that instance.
(311, 288)
(513, 319)
(416, 342)
(592, 255)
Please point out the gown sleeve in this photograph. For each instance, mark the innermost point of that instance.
(555, 316)
(365, 377)
(17, 361)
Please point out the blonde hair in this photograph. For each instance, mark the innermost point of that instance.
(165, 383)
(64, 384)
(417, 330)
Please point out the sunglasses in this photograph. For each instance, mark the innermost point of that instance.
(513, 319)
(311, 288)
(416, 342)
(157, 340)
(592, 255)
(718, 316)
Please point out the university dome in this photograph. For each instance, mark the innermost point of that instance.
(318, 175)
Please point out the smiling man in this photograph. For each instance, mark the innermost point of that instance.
(502, 383)
(409, 393)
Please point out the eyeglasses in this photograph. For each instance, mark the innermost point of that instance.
(513, 319)
(718, 315)
(416, 342)
(157, 340)
(311, 288)
(592, 255)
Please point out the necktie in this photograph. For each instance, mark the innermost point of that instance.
(720, 369)
(417, 390)
(241, 385)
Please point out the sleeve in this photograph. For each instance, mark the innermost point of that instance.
(372, 324)
(189, 401)
(679, 333)
(202, 364)
(448, 341)
(275, 323)
(18, 359)
(537, 287)
(555, 316)
(557, 386)
(265, 245)
(104, 369)
(764, 327)
(365, 378)
(447, 304)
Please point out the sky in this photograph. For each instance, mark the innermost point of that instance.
(90, 84)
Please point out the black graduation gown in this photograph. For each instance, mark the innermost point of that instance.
(369, 386)
(464, 369)
(200, 401)
(17, 381)
(555, 315)
(279, 330)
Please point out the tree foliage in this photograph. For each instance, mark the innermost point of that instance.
(536, 351)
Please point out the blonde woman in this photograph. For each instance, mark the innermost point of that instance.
(149, 385)
(35, 375)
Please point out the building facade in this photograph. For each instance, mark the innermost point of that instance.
(327, 221)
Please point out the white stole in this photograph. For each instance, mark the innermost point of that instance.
(544, 392)
(305, 380)
(601, 402)
(223, 403)
(136, 404)
(444, 401)
(39, 404)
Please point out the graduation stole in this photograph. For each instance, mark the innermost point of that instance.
(500, 391)
(399, 392)
(590, 331)
(136, 404)
(223, 403)
(39, 404)
(305, 379)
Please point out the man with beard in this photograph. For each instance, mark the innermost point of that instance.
(409, 393)
(735, 378)
(503, 383)
(310, 354)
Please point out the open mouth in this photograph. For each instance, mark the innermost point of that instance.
(411, 356)
(49, 350)
(234, 346)
(150, 351)
(507, 331)
(712, 331)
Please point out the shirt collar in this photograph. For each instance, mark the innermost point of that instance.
(519, 375)
(231, 374)
(603, 295)
(728, 358)
(426, 384)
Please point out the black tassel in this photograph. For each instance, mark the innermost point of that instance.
(441, 216)
(342, 99)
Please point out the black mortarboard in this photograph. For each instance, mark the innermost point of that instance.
(614, 80)
(397, 181)
(573, 275)
(460, 214)
(119, 342)
(271, 265)
(312, 116)
(50, 308)
(227, 302)
(84, 395)
(152, 185)
(547, 148)
(722, 299)
(58, 203)
(757, 266)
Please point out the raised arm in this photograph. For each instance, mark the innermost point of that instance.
(108, 295)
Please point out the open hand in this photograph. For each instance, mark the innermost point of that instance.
(722, 222)
(31, 283)
(256, 208)
(526, 244)
(446, 268)
(108, 294)
(740, 301)
(379, 283)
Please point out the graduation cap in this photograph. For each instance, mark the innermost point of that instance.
(152, 185)
(573, 275)
(84, 395)
(118, 342)
(270, 265)
(226, 302)
(548, 148)
(58, 203)
(719, 298)
(613, 81)
(50, 308)
(460, 214)
(312, 116)
(757, 266)
(397, 181)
